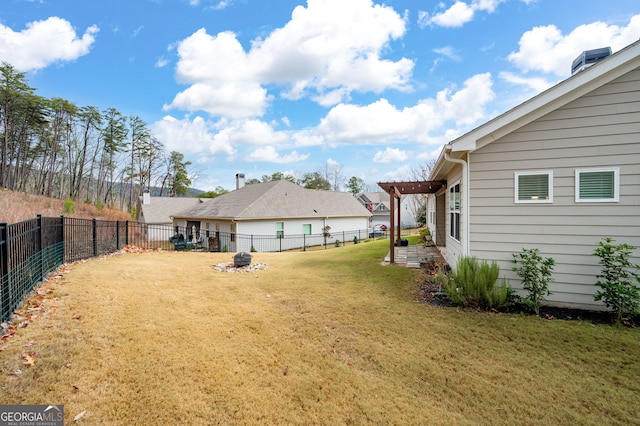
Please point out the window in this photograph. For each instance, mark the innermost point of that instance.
(454, 211)
(279, 229)
(597, 185)
(534, 187)
(306, 229)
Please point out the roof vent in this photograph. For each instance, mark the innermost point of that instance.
(588, 58)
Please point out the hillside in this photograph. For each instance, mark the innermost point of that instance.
(17, 206)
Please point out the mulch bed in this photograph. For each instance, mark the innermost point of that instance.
(429, 292)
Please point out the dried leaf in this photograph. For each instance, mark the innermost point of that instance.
(79, 416)
(28, 359)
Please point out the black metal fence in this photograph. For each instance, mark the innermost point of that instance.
(32, 249)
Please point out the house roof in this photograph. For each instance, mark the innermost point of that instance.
(160, 209)
(277, 199)
(376, 197)
(574, 87)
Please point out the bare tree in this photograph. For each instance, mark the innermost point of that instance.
(332, 172)
(416, 202)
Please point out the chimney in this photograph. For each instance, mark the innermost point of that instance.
(146, 197)
(239, 180)
(588, 58)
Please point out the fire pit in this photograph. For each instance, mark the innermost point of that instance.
(242, 259)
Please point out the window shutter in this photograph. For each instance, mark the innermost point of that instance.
(533, 187)
(597, 185)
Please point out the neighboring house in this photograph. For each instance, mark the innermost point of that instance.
(159, 210)
(156, 212)
(558, 173)
(379, 205)
(274, 209)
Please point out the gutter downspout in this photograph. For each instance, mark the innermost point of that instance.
(465, 182)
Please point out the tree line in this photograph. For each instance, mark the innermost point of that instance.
(55, 148)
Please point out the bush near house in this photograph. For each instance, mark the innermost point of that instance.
(474, 282)
(618, 290)
(535, 272)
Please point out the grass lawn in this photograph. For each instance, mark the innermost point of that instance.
(323, 337)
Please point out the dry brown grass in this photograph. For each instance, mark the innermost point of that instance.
(18, 206)
(325, 337)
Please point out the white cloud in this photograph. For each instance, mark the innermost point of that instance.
(402, 173)
(223, 4)
(232, 99)
(427, 122)
(43, 43)
(223, 137)
(390, 155)
(449, 53)
(161, 62)
(535, 84)
(326, 51)
(197, 136)
(457, 14)
(381, 122)
(271, 155)
(546, 49)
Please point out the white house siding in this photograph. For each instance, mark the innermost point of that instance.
(342, 229)
(601, 129)
(453, 248)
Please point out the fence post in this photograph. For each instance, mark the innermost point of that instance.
(117, 235)
(4, 271)
(126, 233)
(95, 238)
(304, 242)
(39, 245)
(62, 239)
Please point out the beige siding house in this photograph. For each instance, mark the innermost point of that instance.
(557, 173)
(237, 220)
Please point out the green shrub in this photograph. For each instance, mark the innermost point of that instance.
(535, 273)
(616, 279)
(337, 243)
(99, 205)
(355, 240)
(474, 282)
(68, 207)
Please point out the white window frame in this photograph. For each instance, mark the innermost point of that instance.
(516, 181)
(453, 211)
(616, 185)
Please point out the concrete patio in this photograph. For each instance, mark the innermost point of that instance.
(414, 256)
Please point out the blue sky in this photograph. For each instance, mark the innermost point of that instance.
(373, 89)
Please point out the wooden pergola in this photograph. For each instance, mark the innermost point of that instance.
(395, 191)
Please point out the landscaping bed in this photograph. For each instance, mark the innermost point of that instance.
(429, 291)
